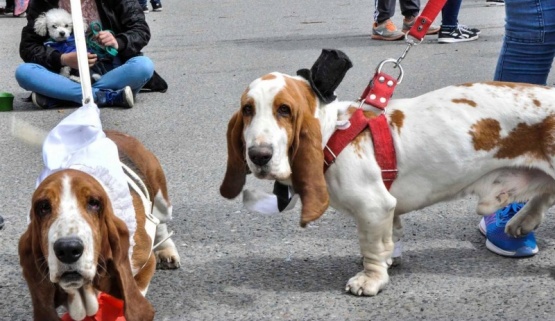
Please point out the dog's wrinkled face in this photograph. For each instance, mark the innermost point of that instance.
(276, 133)
(67, 205)
(267, 110)
(57, 23)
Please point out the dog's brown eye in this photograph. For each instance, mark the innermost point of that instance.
(284, 110)
(93, 205)
(43, 208)
(248, 110)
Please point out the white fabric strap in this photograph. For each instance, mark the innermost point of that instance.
(151, 221)
(81, 46)
(136, 179)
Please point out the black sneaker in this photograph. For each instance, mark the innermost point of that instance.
(45, 102)
(475, 30)
(8, 10)
(145, 9)
(1, 222)
(115, 98)
(156, 6)
(456, 34)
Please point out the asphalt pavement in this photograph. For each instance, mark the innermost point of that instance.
(239, 265)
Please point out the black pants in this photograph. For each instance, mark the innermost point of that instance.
(385, 9)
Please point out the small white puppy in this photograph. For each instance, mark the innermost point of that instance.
(57, 24)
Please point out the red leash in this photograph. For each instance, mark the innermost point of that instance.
(424, 21)
(377, 94)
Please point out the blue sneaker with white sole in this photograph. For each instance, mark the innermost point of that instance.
(115, 98)
(493, 227)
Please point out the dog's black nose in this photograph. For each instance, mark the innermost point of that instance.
(261, 155)
(68, 249)
(62, 33)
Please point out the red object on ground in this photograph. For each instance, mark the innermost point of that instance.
(109, 309)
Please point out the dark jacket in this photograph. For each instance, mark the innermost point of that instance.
(124, 17)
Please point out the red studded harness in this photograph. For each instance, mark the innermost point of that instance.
(377, 94)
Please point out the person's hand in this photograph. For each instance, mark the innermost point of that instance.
(70, 59)
(107, 39)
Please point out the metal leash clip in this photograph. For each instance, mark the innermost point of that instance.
(381, 86)
(396, 63)
(410, 41)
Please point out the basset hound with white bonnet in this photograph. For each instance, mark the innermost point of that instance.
(89, 232)
(495, 140)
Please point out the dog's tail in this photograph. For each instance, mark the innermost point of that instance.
(27, 133)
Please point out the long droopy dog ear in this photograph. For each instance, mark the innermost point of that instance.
(31, 258)
(115, 249)
(236, 172)
(307, 160)
(40, 26)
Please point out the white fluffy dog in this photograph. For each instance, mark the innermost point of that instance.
(57, 24)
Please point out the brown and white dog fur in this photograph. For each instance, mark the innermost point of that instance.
(75, 246)
(495, 140)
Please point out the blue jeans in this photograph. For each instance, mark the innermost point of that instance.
(134, 73)
(529, 44)
(450, 14)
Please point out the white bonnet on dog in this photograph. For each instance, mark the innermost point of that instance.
(79, 142)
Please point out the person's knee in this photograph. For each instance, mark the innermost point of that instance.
(143, 66)
(22, 74)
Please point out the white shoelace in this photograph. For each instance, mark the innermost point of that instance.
(465, 29)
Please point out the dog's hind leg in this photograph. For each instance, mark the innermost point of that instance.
(374, 219)
(166, 253)
(501, 187)
(398, 234)
(530, 216)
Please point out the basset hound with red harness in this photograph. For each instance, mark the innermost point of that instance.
(76, 246)
(495, 140)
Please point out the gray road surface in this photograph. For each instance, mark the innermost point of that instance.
(238, 265)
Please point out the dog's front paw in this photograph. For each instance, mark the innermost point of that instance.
(167, 257)
(367, 283)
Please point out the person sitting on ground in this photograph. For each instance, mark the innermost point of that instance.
(124, 75)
